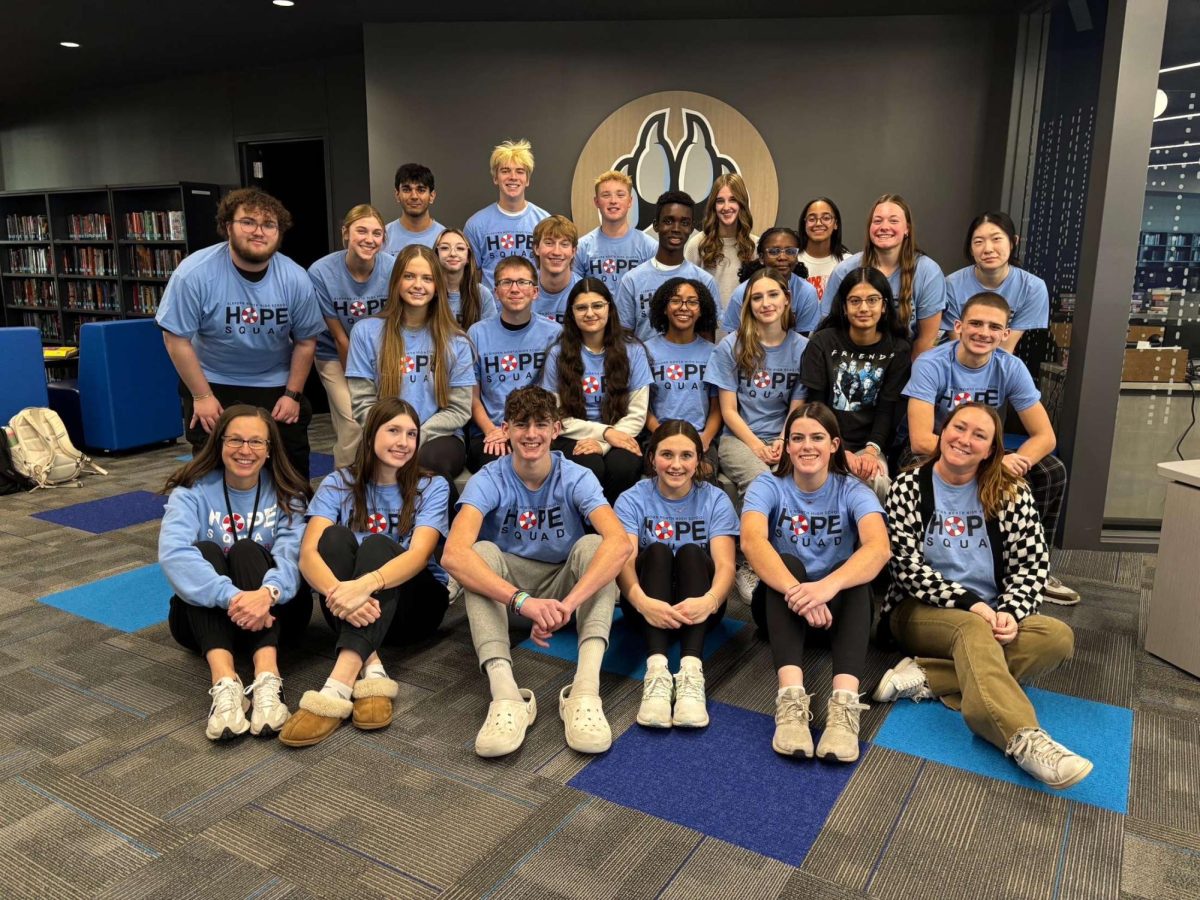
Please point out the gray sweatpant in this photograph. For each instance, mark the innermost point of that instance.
(738, 462)
(489, 620)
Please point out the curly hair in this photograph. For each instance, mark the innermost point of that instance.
(707, 319)
(251, 200)
(710, 244)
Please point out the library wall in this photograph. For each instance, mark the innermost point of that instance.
(850, 108)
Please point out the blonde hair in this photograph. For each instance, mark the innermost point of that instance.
(518, 153)
(748, 351)
(908, 256)
(612, 175)
(997, 486)
(362, 211)
(710, 244)
(555, 228)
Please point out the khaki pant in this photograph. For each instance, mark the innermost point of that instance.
(971, 672)
(347, 432)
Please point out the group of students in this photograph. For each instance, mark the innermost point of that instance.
(592, 365)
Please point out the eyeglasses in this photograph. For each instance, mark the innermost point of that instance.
(683, 303)
(505, 283)
(598, 306)
(823, 219)
(252, 225)
(236, 443)
(789, 252)
(870, 302)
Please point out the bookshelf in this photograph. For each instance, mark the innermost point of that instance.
(1163, 256)
(94, 254)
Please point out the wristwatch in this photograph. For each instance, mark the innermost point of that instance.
(274, 592)
(293, 395)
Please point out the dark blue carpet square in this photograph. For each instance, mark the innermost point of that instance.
(724, 781)
(319, 465)
(109, 514)
(127, 602)
(1102, 733)
(626, 654)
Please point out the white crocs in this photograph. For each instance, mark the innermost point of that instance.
(504, 728)
(586, 728)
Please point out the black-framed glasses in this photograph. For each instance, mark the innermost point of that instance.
(505, 283)
(252, 225)
(683, 303)
(236, 443)
(821, 219)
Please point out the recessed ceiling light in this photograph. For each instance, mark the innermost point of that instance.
(284, 2)
(71, 44)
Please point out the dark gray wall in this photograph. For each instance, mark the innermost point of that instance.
(188, 129)
(851, 108)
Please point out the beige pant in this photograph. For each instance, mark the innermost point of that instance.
(347, 432)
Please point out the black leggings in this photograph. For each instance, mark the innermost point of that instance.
(476, 457)
(445, 456)
(617, 470)
(204, 628)
(673, 578)
(410, 611)
(848, 635)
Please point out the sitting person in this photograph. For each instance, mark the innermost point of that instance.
(519, 547)
(229, 544)
(368, 550)
(675, 582)
(969, 559)
(778, 249)
(816, 536)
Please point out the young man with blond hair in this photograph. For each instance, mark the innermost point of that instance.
(505, 228)
(616, 246)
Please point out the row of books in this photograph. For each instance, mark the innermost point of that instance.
(89, 227)
(154, 225)
(30, 260)
(80, 322)
(47, 325)
(93, 295)
(27, 228)
(153, 262)
(88, 261)
(145, 299)
(32, 292)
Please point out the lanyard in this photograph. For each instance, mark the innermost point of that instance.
(229, 509)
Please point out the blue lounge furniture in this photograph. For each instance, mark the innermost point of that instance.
(22, 371)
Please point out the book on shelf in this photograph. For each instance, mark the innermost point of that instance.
(89, 227)
(99, 295)
(59, 352)
(154, 225)
(29, 261)
(79, 323)
(27, 228)
(33, 292)
(153, 262)
(88, 261)
(46, 324)
(145, 299)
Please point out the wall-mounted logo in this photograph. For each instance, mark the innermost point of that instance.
(675, 140)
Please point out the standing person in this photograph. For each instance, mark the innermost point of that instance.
(518, 547)
(673, 214)
(240, 321)
(615, 247)
(918, 286)
(857, 364)
(602, 378)
(229, 545)
(510, 353)
(350, 284)
(973, 367)
(725, 241)
(415, 193)
(675, 582)
(470, 300)
(821, 246)
(991, 251)
(368, 551)
(554, 241)
(506, 227)
(969, 559)
(417, 352)
(778, 249)
(817, 537)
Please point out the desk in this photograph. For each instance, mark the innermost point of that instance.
(1173, 632)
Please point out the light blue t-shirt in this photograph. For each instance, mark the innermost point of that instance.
(199, 513)
(399, 237)
(487, 304)
(595, 387)
(705, 513)
(553, 306)
(544, 524)
(342, 298)
(242, 331)
(639, 285)
(494, 234)
(806, 308)
(820, 528)
(609, 259)
(417, 384)
(956, 542)
(1027, 297)
(929, 288)
(335, 502)
(678, 390)
(763, 398)
(507, 359)
(939, 378)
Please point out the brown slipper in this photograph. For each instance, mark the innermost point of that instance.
(318, 717)
(373, 702)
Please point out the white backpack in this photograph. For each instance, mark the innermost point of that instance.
(42, 452)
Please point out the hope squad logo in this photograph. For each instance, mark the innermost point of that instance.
(675, 140)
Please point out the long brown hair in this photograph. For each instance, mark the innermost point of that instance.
(823, 416)
(616, 359)
(669, 428)
(710, 244)
(291, 491)
(748, 351)
(361, 472)
(997, 486)
(909, 251)
(470, 296)
(439, 320)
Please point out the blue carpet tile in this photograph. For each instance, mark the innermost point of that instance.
(320, 465)
(127, 602)
(109, 514)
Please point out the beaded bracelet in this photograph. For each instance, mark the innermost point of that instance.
(517, 600)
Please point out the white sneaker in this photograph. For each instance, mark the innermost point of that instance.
(454, 589)
(1055, 591)
(269, 711)
(504, 728)
(792, 715)
(691, 709)
(905, 679)
(227, 715)
(745, 581)
(1046, 759)
(586, 728)
(655, 711)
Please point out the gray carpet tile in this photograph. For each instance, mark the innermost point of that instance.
(715, 869)
(1164, 782)
(1162, 687)
(1158, 871)
(1097, 565)
(1102, 668)
(1090, 864)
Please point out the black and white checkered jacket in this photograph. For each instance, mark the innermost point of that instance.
(1019, 550)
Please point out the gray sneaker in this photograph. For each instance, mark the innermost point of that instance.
(1046, 759)
(792, 715)
(1057, 592)
(840, 739)
(655, 711)
(269, 712)
(745, 581)
(227, 715)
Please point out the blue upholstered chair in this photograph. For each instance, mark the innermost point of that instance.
(22, 371)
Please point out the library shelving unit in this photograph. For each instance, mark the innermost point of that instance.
(1163, 256)
(92, 254)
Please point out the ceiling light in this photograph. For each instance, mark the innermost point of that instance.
(284, 2)
(71, 44)
(1178, 68)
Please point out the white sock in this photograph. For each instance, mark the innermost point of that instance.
(501, 681)
(587, 674)
(333, 688)
(691, 664)
(656, 661)
(799, 687)
(374, 670)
